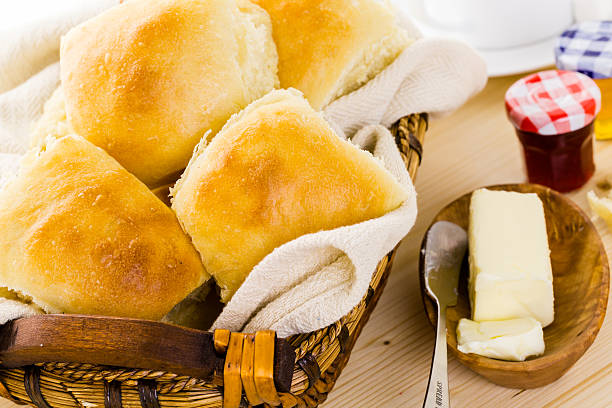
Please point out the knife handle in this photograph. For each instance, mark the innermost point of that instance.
(437, 395)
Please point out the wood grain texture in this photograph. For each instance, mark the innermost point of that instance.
(473, 147)
(581, 281)
(246, 371)
(232, 384)
(127, 343)
(262, 369)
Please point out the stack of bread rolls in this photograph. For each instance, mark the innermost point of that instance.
(185, 93)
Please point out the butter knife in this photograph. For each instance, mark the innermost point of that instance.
(441, 256)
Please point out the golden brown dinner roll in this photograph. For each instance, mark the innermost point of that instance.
(82, 235)
(328, 48)
(275, 171)
(146, 79)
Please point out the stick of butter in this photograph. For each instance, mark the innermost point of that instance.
(602, 206)
(512, 340)
(510, 270)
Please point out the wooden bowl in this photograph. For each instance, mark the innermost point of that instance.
(581, 279)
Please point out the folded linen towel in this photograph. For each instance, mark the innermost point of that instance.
(316, 279)
(319, 277)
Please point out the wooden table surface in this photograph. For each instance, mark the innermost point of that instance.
(389, 367)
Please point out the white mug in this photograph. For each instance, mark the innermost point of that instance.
(498, 24)
(585, 10)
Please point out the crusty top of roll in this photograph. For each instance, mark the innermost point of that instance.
(276, 171)
(82, 235)
(328, 48)
(146, 79)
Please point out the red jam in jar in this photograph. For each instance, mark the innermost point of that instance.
(553, 113)
(563, 162)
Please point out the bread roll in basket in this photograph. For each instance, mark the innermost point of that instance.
(55, 360)
(146, 79)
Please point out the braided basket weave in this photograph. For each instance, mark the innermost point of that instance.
(319, 356)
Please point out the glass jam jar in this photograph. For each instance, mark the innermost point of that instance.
(587, 48)
(553, 113)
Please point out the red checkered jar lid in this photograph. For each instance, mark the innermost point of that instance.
(553, 102)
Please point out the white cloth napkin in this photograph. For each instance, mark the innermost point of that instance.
(432, 75)
(29, 71)
(316, 279)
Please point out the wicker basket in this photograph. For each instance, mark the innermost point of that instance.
(319, 356)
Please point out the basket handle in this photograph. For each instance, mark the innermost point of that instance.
(141, 344)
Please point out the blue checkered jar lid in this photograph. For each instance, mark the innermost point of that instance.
(587, 48)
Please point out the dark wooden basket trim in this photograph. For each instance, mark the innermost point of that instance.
(147, 391)
(416, 146)
(309, 364)
(407, 131)
(343, 338)
(31, 380)
(155, 347)
(112, 394)
(369, 295)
